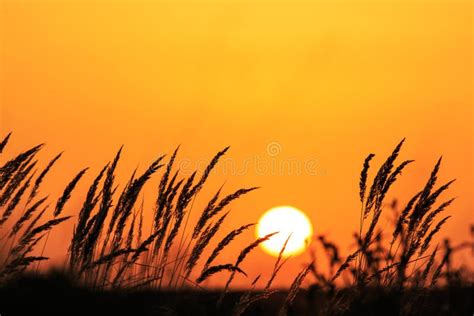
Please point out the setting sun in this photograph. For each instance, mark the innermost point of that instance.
(285, 220)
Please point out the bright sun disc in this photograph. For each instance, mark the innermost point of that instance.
(286, 220)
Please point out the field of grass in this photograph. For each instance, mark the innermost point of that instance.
(117, 263)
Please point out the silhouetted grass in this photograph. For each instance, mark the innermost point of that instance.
(108, 248)
(111, 257)
(396, 263)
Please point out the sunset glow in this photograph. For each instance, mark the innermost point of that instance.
(301, 91)
(289, 222)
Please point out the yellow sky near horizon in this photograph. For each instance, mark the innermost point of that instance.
(323, 83)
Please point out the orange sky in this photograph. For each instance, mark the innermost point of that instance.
(326, 82)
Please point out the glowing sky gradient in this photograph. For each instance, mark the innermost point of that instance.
(324, 81)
